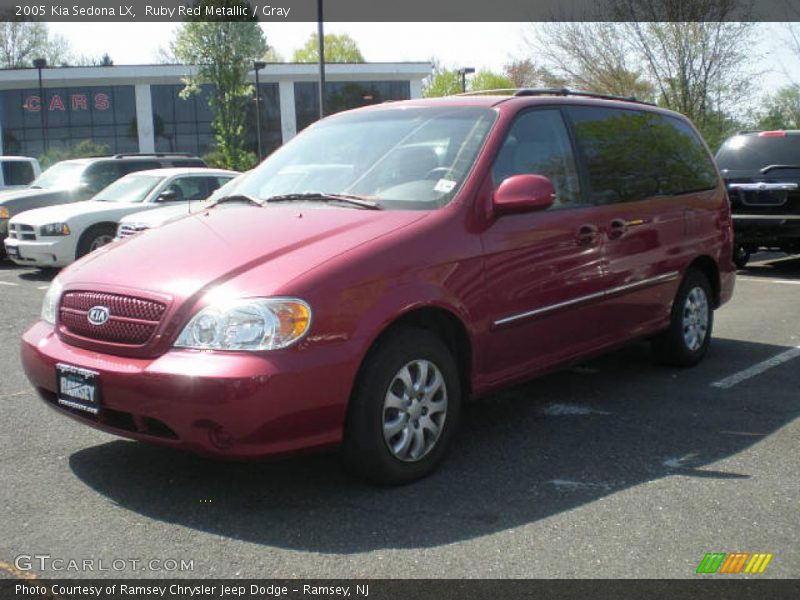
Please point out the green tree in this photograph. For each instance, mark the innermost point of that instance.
(23, 41)
(223, 53)
(338, 49)
(488, 80)
(442, 82)
(782, 109)
(447, 82)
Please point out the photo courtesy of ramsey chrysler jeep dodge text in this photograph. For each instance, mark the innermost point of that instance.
(384, 266)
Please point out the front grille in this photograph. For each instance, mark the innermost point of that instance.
(129, 229)
(132, 321)
(22, 232)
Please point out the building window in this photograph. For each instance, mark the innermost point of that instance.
(343, 95)
(106, 115)
(184, 125)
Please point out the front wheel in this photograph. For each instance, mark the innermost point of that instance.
(94, 238)
(685, 342)
(404, 410)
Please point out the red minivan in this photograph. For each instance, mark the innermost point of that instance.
(384, 266)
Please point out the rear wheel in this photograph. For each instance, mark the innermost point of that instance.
(404, 410)
(686, 341)
(741, 256)
(94, 238)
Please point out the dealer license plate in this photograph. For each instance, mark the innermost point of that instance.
(78, 388)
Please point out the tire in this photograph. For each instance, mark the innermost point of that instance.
(741, 256)
(686, 341)
(391, 439)
(93, 238)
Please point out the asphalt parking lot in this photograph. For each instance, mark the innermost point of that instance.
(614, 468)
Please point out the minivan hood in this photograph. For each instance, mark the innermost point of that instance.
(215, 246)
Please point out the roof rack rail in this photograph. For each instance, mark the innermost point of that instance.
(158, 154)
(554, 92)
(569, 92)
(508, 91)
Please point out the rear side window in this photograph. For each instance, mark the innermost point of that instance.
(754, 152)
(17, 172)
(632, 155)
(538, 144)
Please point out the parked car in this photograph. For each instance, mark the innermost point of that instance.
(156, 217)
(80, 179)
(762, 172)
(386, 264)
(18, 171)
(55, 236)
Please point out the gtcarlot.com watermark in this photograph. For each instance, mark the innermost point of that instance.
(47, 562)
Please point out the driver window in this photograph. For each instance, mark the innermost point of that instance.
(538, 144)
(188, 188)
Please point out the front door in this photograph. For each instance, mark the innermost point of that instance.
(544, 271)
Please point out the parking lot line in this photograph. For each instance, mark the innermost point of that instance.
(8, 283)
(766, 280)
(757, 369)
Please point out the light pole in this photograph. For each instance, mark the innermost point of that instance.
(321, 47)
(257, 66)
(464, 71)
(39, 64)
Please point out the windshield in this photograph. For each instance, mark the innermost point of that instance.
(133, 188)
(399, 157)
(63, 175)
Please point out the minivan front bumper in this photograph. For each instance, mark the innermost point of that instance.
(227, 404)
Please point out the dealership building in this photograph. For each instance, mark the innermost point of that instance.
(139, 108)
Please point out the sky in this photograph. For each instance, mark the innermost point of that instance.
(479, 45)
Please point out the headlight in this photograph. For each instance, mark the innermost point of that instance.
(247, 324)
(54, 229)
(3, 212)
(50, 304)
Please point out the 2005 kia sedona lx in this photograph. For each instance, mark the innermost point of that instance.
(386, 264)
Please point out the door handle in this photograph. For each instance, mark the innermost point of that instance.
(586, 235)
(617, 229)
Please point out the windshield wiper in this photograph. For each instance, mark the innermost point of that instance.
(236, 198)
(352, 199)
(769, 168)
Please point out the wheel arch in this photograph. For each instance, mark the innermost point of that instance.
(708, 267)
(442, 322)
(88, 231)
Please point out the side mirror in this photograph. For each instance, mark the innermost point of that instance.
(523, 193)
(167, 196)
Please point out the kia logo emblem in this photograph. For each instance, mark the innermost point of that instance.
(97, 315)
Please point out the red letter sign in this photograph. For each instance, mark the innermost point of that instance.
(102, 101)
(79, 102)
(32, 104)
